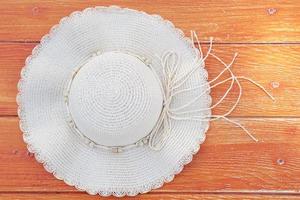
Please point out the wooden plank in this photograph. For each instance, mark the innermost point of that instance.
(73, 196)
(228, 161)
(276, 67)
(227, 21)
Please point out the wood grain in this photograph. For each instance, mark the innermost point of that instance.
(44, 196)
(227, 21)
(228, 161)
(229, 165)
(276, 67)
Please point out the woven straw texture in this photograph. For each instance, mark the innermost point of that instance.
(43, 114)
(115, 99)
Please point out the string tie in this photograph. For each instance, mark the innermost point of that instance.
(171, 83)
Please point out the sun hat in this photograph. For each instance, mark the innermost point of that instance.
(115, 101)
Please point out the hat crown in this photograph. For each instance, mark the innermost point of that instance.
(115, 99)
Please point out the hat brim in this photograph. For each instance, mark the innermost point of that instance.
(42, 110)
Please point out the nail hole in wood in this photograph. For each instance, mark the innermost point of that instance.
(280, 161)
(271, 11)
(275, 84)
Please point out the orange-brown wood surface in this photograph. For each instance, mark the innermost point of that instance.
(266, 34)
(228, 161)
(273, 66)
(227, 21)
(45, 196)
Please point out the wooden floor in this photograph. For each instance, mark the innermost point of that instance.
(230, 165)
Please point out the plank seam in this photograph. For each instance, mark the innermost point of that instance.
(242, 192)
(202, 42)
(232, 117)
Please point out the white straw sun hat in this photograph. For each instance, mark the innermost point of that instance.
(114, 101)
